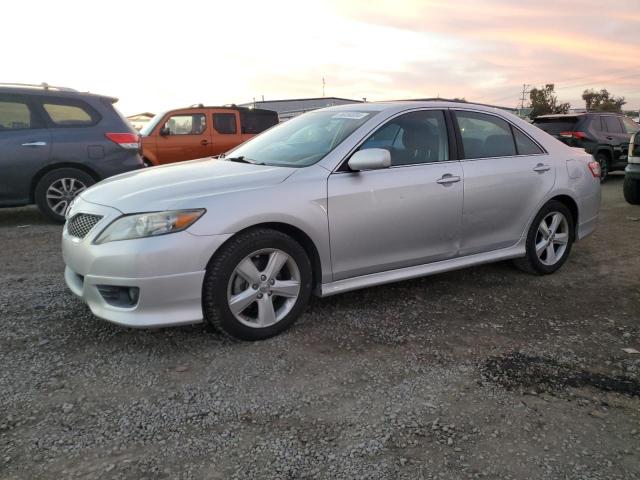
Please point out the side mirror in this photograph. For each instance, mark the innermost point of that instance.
(164, 131)
(370, 159)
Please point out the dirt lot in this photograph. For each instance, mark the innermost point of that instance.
(481, 373)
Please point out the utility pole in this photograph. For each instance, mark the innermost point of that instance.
(323, 86)
(525, 86)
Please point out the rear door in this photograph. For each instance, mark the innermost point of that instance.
(506, 177)
(25, 146)
(226, 131)
(617, 137)
(184, 136)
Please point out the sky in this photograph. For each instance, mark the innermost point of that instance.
(157, 55)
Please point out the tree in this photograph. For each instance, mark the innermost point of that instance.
(544, 102)
(602, 101)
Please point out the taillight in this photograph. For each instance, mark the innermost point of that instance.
(595, 169)
(125, 140)
(578, 135)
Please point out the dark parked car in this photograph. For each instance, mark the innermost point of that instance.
(604, 135)
(632, 172)
(55, 142)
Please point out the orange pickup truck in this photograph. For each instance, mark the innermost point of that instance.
(197, 132)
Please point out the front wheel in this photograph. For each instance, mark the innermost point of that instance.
(257, 285)
(549, 240)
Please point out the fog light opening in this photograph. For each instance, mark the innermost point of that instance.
(119, 296)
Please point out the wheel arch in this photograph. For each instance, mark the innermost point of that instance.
(58, 166)
(299, 236)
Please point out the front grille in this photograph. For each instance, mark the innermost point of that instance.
(82, 223)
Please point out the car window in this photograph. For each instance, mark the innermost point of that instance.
(485, 135)
(416, 137)
(556, 125)
(524, 144)
(66, 115)
(15, 116)
(630, 126)
(257, 121)
(225, 123)
(612, 124)
(193, 124)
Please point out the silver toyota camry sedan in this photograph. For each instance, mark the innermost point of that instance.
(334, 200)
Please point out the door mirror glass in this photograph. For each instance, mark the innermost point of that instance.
(370, 159)
(164, 131)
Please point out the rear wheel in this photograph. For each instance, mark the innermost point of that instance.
(55, 191)
(631, 189)
(603, 160)
(257, 285)
(549, 240)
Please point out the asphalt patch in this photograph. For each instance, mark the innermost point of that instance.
(517, 370)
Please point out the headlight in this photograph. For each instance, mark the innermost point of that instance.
(152, 224)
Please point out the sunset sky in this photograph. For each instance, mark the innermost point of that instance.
(156, 55)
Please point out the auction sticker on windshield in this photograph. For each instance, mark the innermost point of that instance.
(350, 115)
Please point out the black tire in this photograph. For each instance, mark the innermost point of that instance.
(147, 163)
(40, 193)
(605, 166)
(631, 189)
(531, 263)
(221, 267)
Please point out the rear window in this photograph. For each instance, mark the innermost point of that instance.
(67, 115)
(554, 126)
(253, 121)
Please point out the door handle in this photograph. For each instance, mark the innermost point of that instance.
(35, 144)
(447, 179)
(540, 168)
(204, 142)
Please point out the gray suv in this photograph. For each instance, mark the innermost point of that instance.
(55, 142)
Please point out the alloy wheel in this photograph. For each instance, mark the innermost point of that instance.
(263, 288)
(552, 238)
(61, 192)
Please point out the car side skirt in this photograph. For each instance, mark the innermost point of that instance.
(407, 273)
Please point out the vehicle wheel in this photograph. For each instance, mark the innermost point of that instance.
(55, 191)
(631, 189)
(603, 160)
(549, 240)
(257, 285)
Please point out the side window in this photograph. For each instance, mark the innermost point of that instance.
(193, 124)
(416, 137)
(67, 115)
(524, 145)
(225, 123)
(630, 126)
(612, 123)
(257, 122)
(15, 115)
(485, 135)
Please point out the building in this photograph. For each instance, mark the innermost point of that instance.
(139, 120)
(288, 109)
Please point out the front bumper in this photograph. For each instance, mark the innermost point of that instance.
(168, 270)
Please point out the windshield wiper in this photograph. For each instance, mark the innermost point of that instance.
(243, 159)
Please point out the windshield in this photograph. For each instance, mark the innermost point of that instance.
(302, 141)
(148, 128)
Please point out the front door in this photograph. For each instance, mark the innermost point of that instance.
(405, 215)
(25, 147)
(184, 136)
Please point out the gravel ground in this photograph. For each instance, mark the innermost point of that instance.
(480, 373)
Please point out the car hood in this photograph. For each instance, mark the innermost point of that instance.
(183, 185)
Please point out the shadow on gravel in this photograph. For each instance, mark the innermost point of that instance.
(516, 370)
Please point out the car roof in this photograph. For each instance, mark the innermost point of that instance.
(51, 92)
(400, 105)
